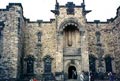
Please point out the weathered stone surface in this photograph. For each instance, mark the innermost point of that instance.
(9, 54)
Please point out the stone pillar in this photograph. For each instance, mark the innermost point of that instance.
(100, 53)
(84, 51)
(1, 48)
(59, 56)
(38, 68)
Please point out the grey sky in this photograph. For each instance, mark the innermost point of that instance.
(40, 9)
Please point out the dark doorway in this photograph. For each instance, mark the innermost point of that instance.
(72, 73)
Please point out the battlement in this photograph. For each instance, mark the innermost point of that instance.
(69, 6)
(11, 5)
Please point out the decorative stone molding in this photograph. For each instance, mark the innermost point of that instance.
(71, 21)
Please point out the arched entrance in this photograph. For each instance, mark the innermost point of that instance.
(72, 73)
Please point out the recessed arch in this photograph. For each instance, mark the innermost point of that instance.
(47, 56)
(72, 31)
(93, 55)
(69, 63)
(70, 34)
(71, 21)
(108, 55)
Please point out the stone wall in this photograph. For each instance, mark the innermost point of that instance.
(49, 43)
(116, 40)
(9, 58)
(63, 19)
(30, 45)
(20, 39)
(106, 41)
(109, 40)
(40, 49)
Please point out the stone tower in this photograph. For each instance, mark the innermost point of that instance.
(71, 39)
(10, 28)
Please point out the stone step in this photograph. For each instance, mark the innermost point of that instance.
(95, 80)
(101, 80)
(72, 80)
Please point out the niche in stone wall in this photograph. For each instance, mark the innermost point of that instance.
(1, 29)
(92, 63)
(39, 36)
(98, 34)
(47, 64)
(1, 38)
(1, 34)
(29, 64)
(71, 36)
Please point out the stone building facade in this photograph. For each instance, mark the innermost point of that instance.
(57, 48)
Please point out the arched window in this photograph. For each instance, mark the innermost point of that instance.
(108, 63)
(92, 63)
(47, 64)
(30, 64)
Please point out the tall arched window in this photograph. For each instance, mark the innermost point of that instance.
(30, 64)
(108, 63)
(92, 63)
(47, 64)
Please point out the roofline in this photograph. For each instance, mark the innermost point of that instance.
(39, 21)
(51, 20)
(10, 5)
(98, 22)
(112, 19)
(77, 6)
